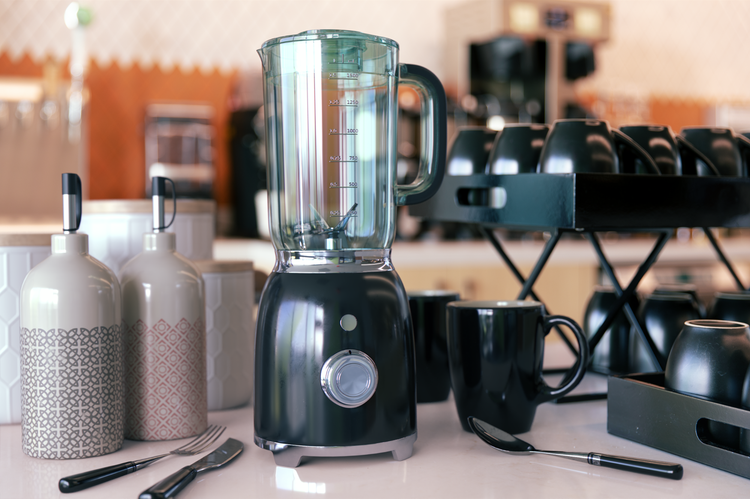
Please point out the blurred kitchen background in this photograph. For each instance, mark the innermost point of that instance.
(119, 90)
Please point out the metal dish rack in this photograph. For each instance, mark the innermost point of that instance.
(589, 203)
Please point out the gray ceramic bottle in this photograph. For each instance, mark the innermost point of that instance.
(165, 337)
(71, 347)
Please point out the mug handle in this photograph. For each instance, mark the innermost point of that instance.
(683, 144)
(548, 393)
(622, 139)
(744, 145)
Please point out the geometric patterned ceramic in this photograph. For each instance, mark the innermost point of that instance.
(72, 392)
(164, 315)
(71, 354)
(165, 395)
(15, 262)
(116, 228)
(230, 332)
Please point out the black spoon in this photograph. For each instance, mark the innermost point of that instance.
(506, 442)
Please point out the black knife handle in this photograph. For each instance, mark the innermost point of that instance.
(87, 479)
(655, 468)
(170, 486)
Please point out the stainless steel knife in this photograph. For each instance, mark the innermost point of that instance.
(173, 484)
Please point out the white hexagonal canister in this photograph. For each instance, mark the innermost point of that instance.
(19, 253)
(230, 331)
(116, 227)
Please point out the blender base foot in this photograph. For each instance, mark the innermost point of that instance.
(290, 455)
(403, 452)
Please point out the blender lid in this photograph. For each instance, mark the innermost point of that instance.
(328, 34)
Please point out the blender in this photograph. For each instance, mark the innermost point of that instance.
(334, 361)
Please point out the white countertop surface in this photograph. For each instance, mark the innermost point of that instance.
(481, 253)
(447, 462)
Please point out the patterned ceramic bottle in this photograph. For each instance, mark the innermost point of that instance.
(71, 348)
(165, 337)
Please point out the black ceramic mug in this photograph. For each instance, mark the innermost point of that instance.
(428, 316)
(683, 287)
(673, 154)
(724, 149)
(731, 306)
(611, 355)
(664, 315)
(588, 146)
(470, 150)
(710, 360)
(517, 149)
(495, 349)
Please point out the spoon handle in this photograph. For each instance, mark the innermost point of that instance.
(655, 468)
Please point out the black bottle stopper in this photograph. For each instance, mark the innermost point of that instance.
(158, 192)
(72, 202)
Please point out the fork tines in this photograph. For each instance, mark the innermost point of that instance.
(201, 442)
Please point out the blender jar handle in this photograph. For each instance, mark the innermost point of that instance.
(433, 131)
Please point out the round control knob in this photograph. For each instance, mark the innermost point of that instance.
(349, 378)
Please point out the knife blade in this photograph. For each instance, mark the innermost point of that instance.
(174, 483)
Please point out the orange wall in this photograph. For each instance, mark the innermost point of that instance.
(678, 113)
(658, 110)
(118, 99)
(22, 67)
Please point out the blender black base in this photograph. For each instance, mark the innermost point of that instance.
(306, 320)
(290, 456)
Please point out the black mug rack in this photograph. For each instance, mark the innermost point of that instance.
(588, 204)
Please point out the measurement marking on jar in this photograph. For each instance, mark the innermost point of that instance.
(335, 185)
(343, 76)
(343, 159)
(343, 131)
(343, 103)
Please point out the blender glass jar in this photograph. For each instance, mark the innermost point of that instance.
(331, 111)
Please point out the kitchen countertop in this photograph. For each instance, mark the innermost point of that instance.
(623, 252)
(447, 462)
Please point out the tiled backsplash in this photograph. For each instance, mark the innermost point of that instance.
(210, 34)
(676, 48)
(668, 61)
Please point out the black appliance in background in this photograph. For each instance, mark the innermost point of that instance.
(517, 59)
(246, 154)
(579, 60)
(509, 73)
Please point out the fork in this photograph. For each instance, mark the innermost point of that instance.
(87, 479)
